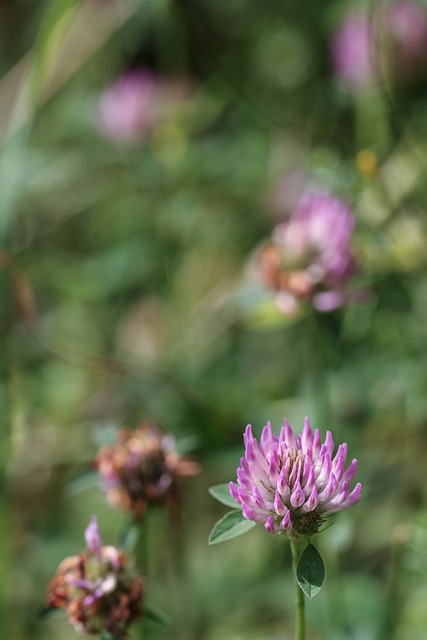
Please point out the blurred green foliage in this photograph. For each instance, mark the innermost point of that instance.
(126, 293)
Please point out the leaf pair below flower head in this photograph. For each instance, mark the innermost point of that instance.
(310, 567)
(231, 525)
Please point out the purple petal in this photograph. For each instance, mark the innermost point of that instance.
(89, 600)
(351, 499)
(297, 496)
(341, 453)
(307, 436)
(269, 525)
(245, 498)
(340, 494)
(316, 443)
(354, 495)
(234, 492)
(282, 483)
(248, 436)
(325, 471)
(243, 480)
(279, 507)
(295, 474)
(338, 468)
(267, 439)
(308, 475)
(274, 465)
(351, 471)
(329, 443)
(259, 500)
(329, 489)
(286, 523)
(81, 583)
(253, 515)
(311, 503)
(93, 538)
(289, 436)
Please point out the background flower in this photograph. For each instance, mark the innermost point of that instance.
(309, 257)
(97, 588)
(142, 467)
(133, 106)
(353, 50)
(369, 44)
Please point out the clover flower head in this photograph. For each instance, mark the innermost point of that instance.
(97, 588)
(125, 109)
(353, 51)
(289, 483)
(309, 256)
(142, 467)
(133, 106)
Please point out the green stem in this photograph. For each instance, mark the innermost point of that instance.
(141, 553)
(105, 635)
(299, 595)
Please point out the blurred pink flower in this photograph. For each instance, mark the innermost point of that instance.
(368, 43)
(353, 50)
(309, 256)
(97, 588)
(407, 25)
(126, 108)
(132, 107)
(292, 483)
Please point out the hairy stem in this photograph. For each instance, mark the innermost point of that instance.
(299, 595)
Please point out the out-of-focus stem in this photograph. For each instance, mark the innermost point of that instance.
(5, 420)
(317, 369)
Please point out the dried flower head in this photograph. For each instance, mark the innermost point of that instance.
(309, 256)
(97, 588)
(290, 484)
(143, 467)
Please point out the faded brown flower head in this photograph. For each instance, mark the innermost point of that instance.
(142, 467)
(97, 588)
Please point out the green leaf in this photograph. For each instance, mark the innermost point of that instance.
(129, 538)
(46, 612)
(83, 482)
(55, 23)
(310, 571)
(106, 635)
(233, 524)
(155, 615)
(221, 492)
